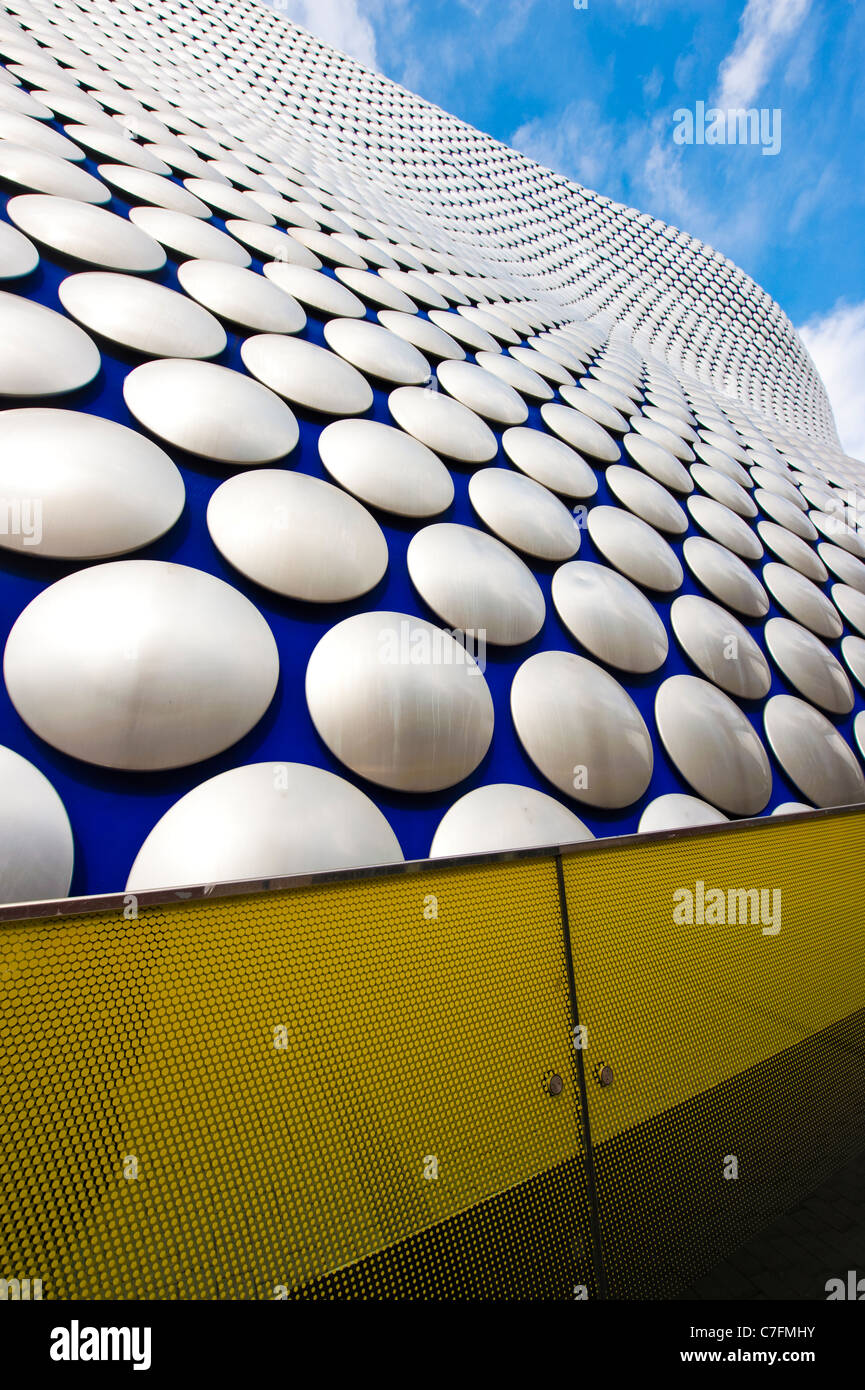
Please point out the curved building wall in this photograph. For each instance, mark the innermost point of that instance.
(664, 565)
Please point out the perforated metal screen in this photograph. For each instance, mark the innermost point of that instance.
(369, 1087)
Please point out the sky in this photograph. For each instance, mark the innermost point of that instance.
(592, 88)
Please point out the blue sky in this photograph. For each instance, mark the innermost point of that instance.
(591, 92)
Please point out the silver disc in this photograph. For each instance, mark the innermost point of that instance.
(808, 665)
(86, 233)
(847, 568)
(431, 341)
(677, 811)
(263, 821)
(853, 652)
(443, 424)
(658, 462)
(516, 375)
(610, 617)
(813, 754)
(647, 499)
(725, 527)
(482, 392)
(503, 816)
(241, 296)
(713, 745)
(792, 550)
(82, 487)
(377, 352)
(318, 293)
(635, 548)
(399, 701)
(720, 647)
(307, 375)
(725, 576)
(581, 729)
(141, 664)
(385, 467)
(211, 411)
(718, 486)
(583, 434)
(41, 352)
(476, 584)
(524, 514)
(189, 237)
(36, 847)
(297, 535)
(141, 315)
(18, 255)
(41, 172)
(850, 603)
(802, 600)
(550, 462)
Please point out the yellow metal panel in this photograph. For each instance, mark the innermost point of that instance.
(676, 1008)
(228, 1098)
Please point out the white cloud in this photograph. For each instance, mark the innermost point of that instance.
(345, 24)
(836, 342)
(575, 141)
(763, 27)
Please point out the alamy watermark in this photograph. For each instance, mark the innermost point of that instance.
(734, 126)
(22, 517)
(737, 906)
(419, 644)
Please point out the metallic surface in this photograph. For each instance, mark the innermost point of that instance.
(211, 411)
(41, 352)
(264, 820)
(86, 233)
(713, 745)
(676, 811)
(504, 816)
(720, 647)
(241, 296)
(36, 848)
(399, 701)
(802, 600)
(306, 374)
(581, 729)
(583, 434)
(385, 467)
(443, 425)
(297, 536)
(808, 665)
(85, 488)
(524, 514)
(141, 315)
(189, 238)
(476, 584)
(813, 754)
(610, 617)
(647, 499)
(634, 548)
(487, 395)
(550, 462)
(140, 664)
(376, 351)
(725, 527)
(725, 576)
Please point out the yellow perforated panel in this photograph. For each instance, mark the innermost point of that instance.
(343, 1090)
(234, 1098)
(737, 1052)
(711, 998)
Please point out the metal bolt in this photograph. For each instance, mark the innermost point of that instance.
(556, 1085)
(605, 1076)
